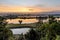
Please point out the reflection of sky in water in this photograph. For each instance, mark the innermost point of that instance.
(23, 20)
(20, 30)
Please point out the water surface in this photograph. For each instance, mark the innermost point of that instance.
(23, 20)
(20, 30)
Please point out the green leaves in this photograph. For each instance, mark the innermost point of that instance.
(50, 29)
(5, 33)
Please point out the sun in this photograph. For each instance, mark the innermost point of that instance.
(25, 10)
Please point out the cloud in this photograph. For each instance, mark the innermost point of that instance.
(40, 5)
(37, 8)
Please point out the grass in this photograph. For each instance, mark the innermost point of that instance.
(31, 25)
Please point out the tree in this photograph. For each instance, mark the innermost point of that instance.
(52, 19)
(20, 21)
(40, 21)
(32, 35)
(5, 33)
(22, 37)
(49, 29)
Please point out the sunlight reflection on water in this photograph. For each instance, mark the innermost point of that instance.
(20, 30)
(23, 20)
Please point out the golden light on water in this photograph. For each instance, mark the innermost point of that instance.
(14, 21)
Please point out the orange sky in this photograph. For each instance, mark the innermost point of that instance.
(26, 9)
(29, 5)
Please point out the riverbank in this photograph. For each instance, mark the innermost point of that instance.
(30, 25)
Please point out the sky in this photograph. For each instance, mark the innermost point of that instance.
(29, 5)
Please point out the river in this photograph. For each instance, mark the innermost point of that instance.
(16, 21)
(20, 30)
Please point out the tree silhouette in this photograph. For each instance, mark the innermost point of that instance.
(5, 33)
(20, 21)
(49, 29)
(32, 35)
